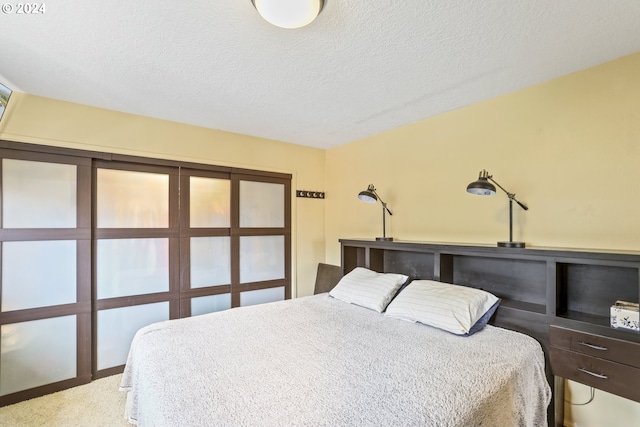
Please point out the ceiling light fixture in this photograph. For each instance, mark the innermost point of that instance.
(288, 13)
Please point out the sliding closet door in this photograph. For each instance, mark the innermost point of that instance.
(261, 235)
(235, 239)
(136, 251)
(205, 243)
(45, 293)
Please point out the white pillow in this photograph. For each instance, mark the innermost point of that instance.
(367, 288)
(453, 308)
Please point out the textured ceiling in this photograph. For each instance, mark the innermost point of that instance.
(361, 68)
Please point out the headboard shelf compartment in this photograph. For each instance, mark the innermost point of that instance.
(519, 281)
(586, 291)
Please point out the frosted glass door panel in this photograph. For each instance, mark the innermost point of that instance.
(116, 328)
(36, 353)
(210, 304)
(210, 202)
(261, 296)
(38, 194)
(132, 199)
(261, 204)
(132, 267)
(38, 274)
(261, 258)
(210, 261)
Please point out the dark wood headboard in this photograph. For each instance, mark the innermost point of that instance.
(538, 287)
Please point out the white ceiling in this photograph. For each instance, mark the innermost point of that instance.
(362, 67)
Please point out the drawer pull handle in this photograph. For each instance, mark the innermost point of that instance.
(603, 377)
(592, 346)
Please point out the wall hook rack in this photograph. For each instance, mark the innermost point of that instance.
(310, 194)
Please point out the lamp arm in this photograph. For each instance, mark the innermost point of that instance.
(384, 205)
(512, 196)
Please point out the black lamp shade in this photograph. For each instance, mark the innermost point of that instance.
(367, 196)
(481, 187)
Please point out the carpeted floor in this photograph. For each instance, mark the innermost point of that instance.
(97, 404)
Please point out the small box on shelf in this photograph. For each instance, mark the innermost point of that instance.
(625, 315)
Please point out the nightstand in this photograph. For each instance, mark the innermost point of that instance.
(606, 363)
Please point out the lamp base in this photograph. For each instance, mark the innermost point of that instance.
(384, 239)
(511, 244)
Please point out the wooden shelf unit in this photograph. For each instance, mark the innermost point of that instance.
(539, 287)
(570, 288)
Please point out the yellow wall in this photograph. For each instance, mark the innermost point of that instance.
(40, 120)
(569, 148)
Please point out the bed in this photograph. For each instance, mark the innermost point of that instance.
(324, 361)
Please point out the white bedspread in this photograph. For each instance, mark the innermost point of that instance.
(317, 361)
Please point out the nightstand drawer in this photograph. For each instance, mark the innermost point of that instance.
(609, 376)
(625, 352)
